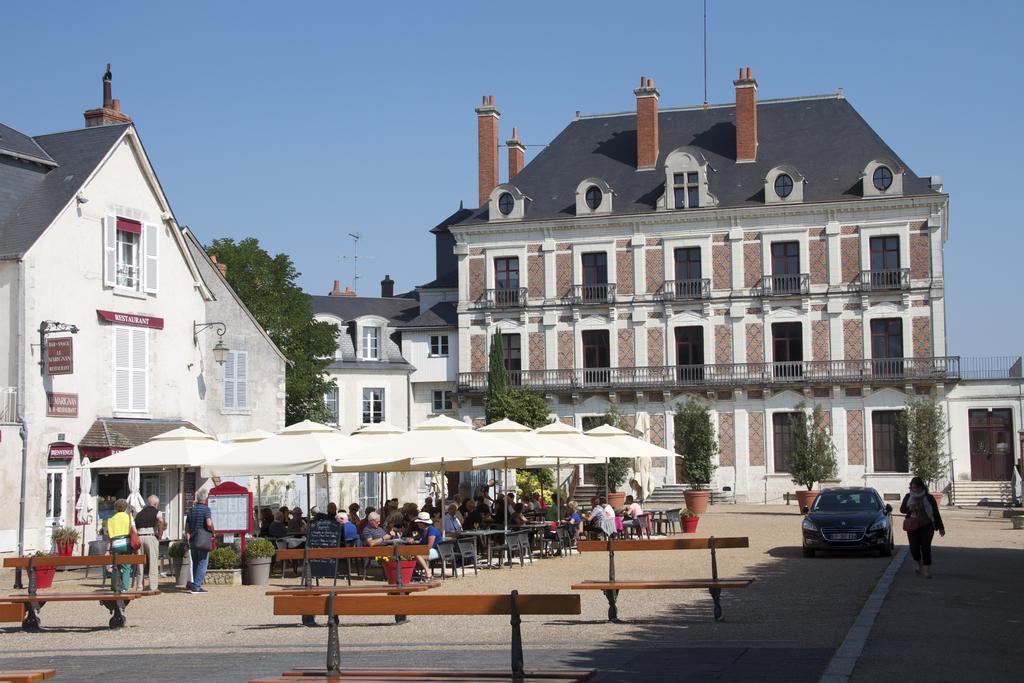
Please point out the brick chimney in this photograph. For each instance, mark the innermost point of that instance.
(487, 116)
(336, 290)
(110, 113)
(387, 287)
(746, 117)
(646, 124)
(516, 155)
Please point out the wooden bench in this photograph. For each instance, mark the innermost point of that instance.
(26, 675)
(514, 605)
(114, 600)
(715, 584)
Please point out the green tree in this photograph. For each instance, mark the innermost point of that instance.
(525, 407)
(266, 284)
(695, 442)
(924, 428)
(497, 374)
(616, 469)
(813, 457)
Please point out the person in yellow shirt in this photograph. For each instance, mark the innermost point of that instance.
(119, 528)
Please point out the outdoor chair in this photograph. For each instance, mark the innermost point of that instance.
(644, 525)
(569, 535)
(549, 544)
(510, 548)
(672, 521)
(522, 541)
(446, 550)
(466, 548)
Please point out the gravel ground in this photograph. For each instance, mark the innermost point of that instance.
(790, 620)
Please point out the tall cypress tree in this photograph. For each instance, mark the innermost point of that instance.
(497, 377)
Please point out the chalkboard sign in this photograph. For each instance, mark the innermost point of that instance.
(231, 508)
(323, 533)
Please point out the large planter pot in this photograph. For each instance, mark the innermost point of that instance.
(804, 499)
(182, 571)
(223, 577)
(257, 571)
(697, 501)
(617, 499)
(65, 548)
(689, 524)
(937, 497)
(408, 567)
(44, 576)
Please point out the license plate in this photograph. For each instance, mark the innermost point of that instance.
(845, 537)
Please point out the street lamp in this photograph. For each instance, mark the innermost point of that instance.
(220, 349)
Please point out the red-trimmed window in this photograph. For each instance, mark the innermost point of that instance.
(130, 254)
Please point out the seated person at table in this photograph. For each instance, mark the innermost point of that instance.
(430, 536)
(349, 533)
(450, 522)
(483, 504)
(296, 525)
(572, 515)
(475, 516)
(393, 520)
(593, 519)
(353, 513)
(516, 516)
(374, 534)
(361, 524)
(631, 513)
(609, 511)
(266, 519)
(538, 502)
(429, 507)
(277, 528)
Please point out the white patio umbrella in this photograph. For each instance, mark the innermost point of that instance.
(250, 437)
(135, 501)
(85, 506)
(642, 464)
(613, 442)
(377, 430)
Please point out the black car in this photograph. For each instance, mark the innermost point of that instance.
(853, 518)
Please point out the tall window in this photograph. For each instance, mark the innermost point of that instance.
(690, 353)
(686, 189)
(511, 352)
(889, 446)
(130, 254)
(506, 280)
(439, 345)
(371, 343)
(442, 401)
(369, 489)
(236, 381)
(331, 401)
(373, 405)
(596, 356)
(131, 368)
(129, 234)
(595, 276)
(688, 272)
(788, 349)
(785, 267)
(887, 346)
(885, 262)
(783, 439)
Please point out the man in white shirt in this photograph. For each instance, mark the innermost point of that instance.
(450, 521)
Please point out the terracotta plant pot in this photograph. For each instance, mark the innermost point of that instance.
(408, 566)
(804, 499)
(937, 497)
(617, 499)
(65, 548)
(697, 501)
(44, 576)
(690, 524)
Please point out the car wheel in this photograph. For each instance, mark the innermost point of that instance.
(885, 550)
(808, 552)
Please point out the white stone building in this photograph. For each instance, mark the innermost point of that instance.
(88, 241)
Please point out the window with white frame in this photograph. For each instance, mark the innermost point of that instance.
(373, 405)
(236, 381)
(128, 269)
(130, 259)
(687, 190)
(439, 345)
(442, 401)
(331, 401)
(371, 343)
(131, 369)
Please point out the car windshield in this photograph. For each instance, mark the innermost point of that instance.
(846, 501)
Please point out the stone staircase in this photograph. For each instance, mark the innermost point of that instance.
(996, 493)
(666, 497)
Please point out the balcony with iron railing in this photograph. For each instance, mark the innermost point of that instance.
(884, 280)
(686, 290)
(502, 298)
(600, 293)
(724, 375)
(796, 284)
(8, 405)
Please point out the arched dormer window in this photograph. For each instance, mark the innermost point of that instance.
(686, 180)
(882, 178)
(783, 185)
(593, 196)
(506, 203)
(371, 337)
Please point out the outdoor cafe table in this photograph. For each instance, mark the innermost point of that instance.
(532, 528)
(485, 534)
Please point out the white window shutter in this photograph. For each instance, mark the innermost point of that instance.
(229, 381)
(151, 262)
(110, 251)
(242, 380)
(139, 369)
(122, 371)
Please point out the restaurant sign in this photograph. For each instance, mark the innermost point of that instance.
(60, 450)
(131, 319)
(61, 405)
(60, 356)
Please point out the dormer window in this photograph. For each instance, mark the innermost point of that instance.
(371, 343)
(783, 185)
(686, 181)
(686, 189)
(506, 204)
(882, 178)
(593, 196)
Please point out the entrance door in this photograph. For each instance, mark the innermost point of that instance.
(991, 444)
(55, 498)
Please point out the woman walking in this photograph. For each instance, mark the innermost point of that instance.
(921, 523)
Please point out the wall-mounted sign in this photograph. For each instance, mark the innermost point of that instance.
(60, 356)
(61, 405)
(132, 319)
(60, 450)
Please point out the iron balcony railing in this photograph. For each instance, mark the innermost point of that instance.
(993, 367)
(786, 285)
(884, 280)
(600, 293)
(683, 290)
(8, 404)
(503, 298)
(858, 371)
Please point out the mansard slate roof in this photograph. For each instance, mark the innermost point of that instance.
(396, 310)
(31, 195)
(824, 138)
(439, 315)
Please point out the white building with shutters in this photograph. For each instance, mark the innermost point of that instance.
(90, 251)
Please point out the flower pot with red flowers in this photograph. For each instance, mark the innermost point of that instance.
(64, 540)
(689, 519)
(44, 575)
(407, 565)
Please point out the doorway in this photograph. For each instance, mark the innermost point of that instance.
(991, 434)
(56, 490)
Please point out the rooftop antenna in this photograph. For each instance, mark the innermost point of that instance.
(705, 54)
(356, 236)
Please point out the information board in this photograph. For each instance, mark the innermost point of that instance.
(323, 533)
(231, 508)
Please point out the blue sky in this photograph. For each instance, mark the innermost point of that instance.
(299, 123)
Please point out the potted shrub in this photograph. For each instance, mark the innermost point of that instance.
(259, 555)
(689, 519)
(406, 563)
(695, 443)
(224, 568)
(182, 563)
(923, 427)
(44, 575)
(64, 540)
(617, 470)
(813, 458)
